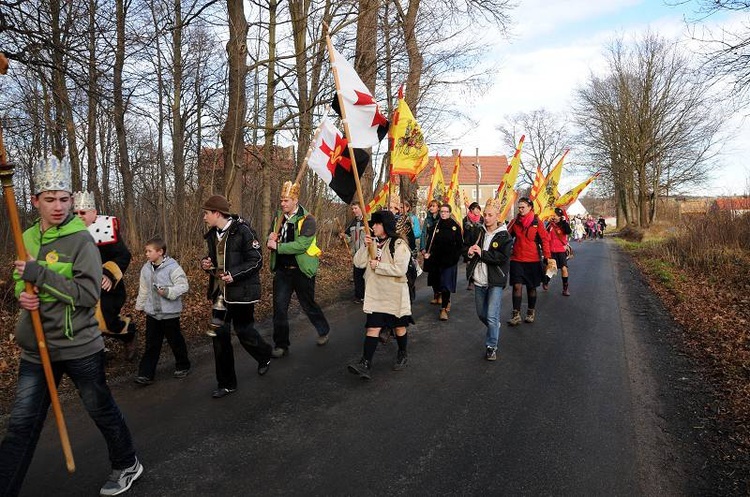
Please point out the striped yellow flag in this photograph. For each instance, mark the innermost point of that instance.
(437, 182)
(537, 185)
(379, 199)
(571, 196)
(544, 204)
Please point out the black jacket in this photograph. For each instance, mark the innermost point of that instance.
(446, 245)
(242, 259)
(497, 258)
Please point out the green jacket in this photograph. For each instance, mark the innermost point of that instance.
(304, 247)
(67, 270)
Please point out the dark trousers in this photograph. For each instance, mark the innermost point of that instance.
(242, 318)
(30, 410)
(286, 281)
(358, 274)
(111, 303)
(156, 331)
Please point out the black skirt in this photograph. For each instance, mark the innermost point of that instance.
(383, 320)
(526, 273)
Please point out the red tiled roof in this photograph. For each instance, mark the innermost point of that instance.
(732, 203)
(493, 167)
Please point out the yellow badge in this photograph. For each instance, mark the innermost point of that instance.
(51, 257)
(494, 244)
(454, 228)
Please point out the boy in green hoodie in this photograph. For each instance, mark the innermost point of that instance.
(65, 269)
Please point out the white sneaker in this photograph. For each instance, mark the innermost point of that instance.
(120, 480)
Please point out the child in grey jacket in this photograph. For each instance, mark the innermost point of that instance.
(162, 284)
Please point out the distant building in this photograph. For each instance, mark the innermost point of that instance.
(492, 169)
(737, 206)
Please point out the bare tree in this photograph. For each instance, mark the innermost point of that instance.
(547, 138)
(650, 122)
(232, 136)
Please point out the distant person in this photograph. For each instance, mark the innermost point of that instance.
(428, 228)
(354, 235)
(442, 258)
(115, 261)
(162, 285)
(387, 303)
(66, 270)
(602, 226)
(416, 227)
(233, 265)
(525, 263)
(559, 229)
(294, 262)
(489, 262)
(472, 224)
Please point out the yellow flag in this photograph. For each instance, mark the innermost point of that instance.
(508, 181)
(437, 183)
(452, 195)
(537, 185)
(544, 204)
(572, 195)
(408, 148)
(379, 199)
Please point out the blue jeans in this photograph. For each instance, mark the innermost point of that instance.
(488, 301)
(30, 410)
(285, 282)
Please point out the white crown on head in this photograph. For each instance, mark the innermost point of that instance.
(84, 201)
(52, 174)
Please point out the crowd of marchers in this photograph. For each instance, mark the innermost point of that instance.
(73, 279)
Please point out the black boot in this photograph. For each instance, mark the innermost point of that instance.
(362, 368)
(401, 360)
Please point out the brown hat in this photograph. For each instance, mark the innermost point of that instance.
(290, 190)
(217, 203)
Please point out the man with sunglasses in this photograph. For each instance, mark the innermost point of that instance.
(115, 261)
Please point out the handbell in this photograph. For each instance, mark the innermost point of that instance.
(219, 303)
(218, 313)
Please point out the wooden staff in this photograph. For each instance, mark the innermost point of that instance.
(371, 247)
(6, 177)
(300, 174)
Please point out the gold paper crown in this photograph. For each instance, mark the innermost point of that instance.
(52, 174)
(289, 189)
(84, 201)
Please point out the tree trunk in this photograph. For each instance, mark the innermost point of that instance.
(92, 181)
(121, 8)
(270, 131)
(63, 111)
(160, 132)
(232, 136)
(178, 126)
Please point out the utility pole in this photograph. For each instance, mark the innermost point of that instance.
(478, 167)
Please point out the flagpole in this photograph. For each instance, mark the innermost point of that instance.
(6, 178)
(360, 197)
(302, 169)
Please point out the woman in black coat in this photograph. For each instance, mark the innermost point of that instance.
(441, 258)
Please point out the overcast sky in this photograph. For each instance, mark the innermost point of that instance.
(556, 44)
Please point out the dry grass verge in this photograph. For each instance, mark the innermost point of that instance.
(701, 271)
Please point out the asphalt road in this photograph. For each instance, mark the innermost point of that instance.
(573, 406)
